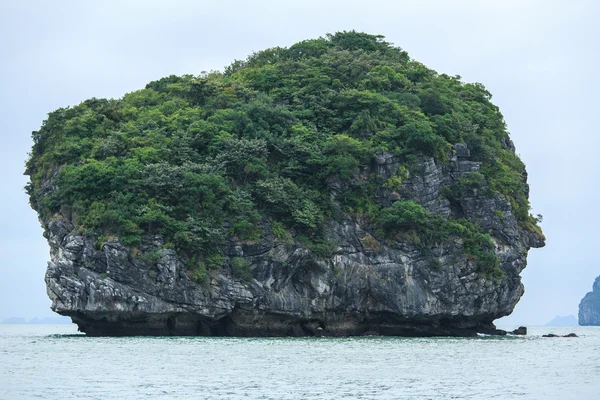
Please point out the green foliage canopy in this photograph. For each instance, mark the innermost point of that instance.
(198, 159)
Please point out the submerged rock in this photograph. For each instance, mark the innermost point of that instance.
(522, 330)
(552, 335)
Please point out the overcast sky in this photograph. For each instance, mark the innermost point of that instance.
(540, 60)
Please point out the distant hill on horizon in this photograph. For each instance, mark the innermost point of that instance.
(36, 320)
(567, 320)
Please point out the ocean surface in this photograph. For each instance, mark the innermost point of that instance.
(55, 362)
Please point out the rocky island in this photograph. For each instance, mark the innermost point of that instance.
(335, 187)
(589, 307)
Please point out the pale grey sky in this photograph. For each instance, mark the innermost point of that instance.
(538, 58)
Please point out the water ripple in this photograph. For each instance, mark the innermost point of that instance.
(53, 362)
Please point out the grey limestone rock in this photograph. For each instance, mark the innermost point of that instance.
(522, 330)
(589, 307)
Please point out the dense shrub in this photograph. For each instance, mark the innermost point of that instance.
(240, 269)
(467, 185)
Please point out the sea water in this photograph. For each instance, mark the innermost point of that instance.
(55, 362)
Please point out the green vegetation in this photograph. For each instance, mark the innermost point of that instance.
(466, 185)
(152, 256)
(241, 269)
(395, 182)
(199, 159)
(409, 221)
(199, 274)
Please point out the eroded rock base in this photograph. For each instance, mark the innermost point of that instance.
(254, 325)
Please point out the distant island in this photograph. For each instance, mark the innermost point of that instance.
(567, 320)
(589, 308)
(36, 320)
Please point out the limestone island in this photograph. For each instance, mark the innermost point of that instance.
(589, 307)
(336, 187)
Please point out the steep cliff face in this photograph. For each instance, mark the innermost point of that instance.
(589, 307)
(368, 285)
